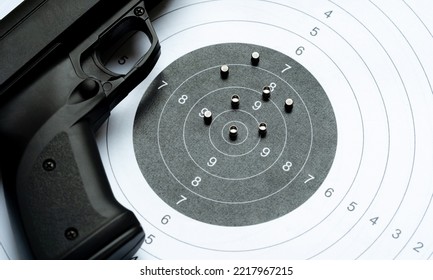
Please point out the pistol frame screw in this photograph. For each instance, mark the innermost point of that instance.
(139, 11)
(49, 165)
(71, 233)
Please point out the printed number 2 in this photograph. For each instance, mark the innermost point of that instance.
(419, 245)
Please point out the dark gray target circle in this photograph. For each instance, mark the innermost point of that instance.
(196, 169)
(249, 147)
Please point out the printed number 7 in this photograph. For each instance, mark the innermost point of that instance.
(310, 177)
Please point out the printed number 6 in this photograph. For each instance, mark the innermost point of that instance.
(300, 50)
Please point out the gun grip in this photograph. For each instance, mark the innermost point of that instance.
(66, 203)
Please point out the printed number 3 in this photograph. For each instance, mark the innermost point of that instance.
(397, 234)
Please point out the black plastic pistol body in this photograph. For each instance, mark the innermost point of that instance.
(55, 92)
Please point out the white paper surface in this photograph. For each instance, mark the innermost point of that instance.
(373, 59)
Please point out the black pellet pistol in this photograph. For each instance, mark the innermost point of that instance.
(55, 92)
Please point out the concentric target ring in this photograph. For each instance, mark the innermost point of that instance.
(179, 117)
(200, 194)
(353, 202)
(254, 144)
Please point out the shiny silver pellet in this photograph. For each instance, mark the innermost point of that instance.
(262, 129)
(207, 117)
(266, 93)
(233, 132)
(224, 70)
(255, 58)
(235, 102)
(288, 105)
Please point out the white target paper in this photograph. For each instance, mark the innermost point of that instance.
(374, 61)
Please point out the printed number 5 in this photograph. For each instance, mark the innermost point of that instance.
(148, 239)
(315, 31)
(122, 60)
(352, 206)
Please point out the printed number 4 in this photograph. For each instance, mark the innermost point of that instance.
(374, 220)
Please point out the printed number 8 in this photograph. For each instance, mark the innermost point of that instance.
(183, 99)
(287, 166)
(196, 181)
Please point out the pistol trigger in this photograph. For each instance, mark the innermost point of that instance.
(85, 90)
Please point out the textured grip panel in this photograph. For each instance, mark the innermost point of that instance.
(58, 199)
(67, 205)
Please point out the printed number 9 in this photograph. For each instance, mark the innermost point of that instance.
(202, 112)
(265, 152)
(212, 161)
(257, 105)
